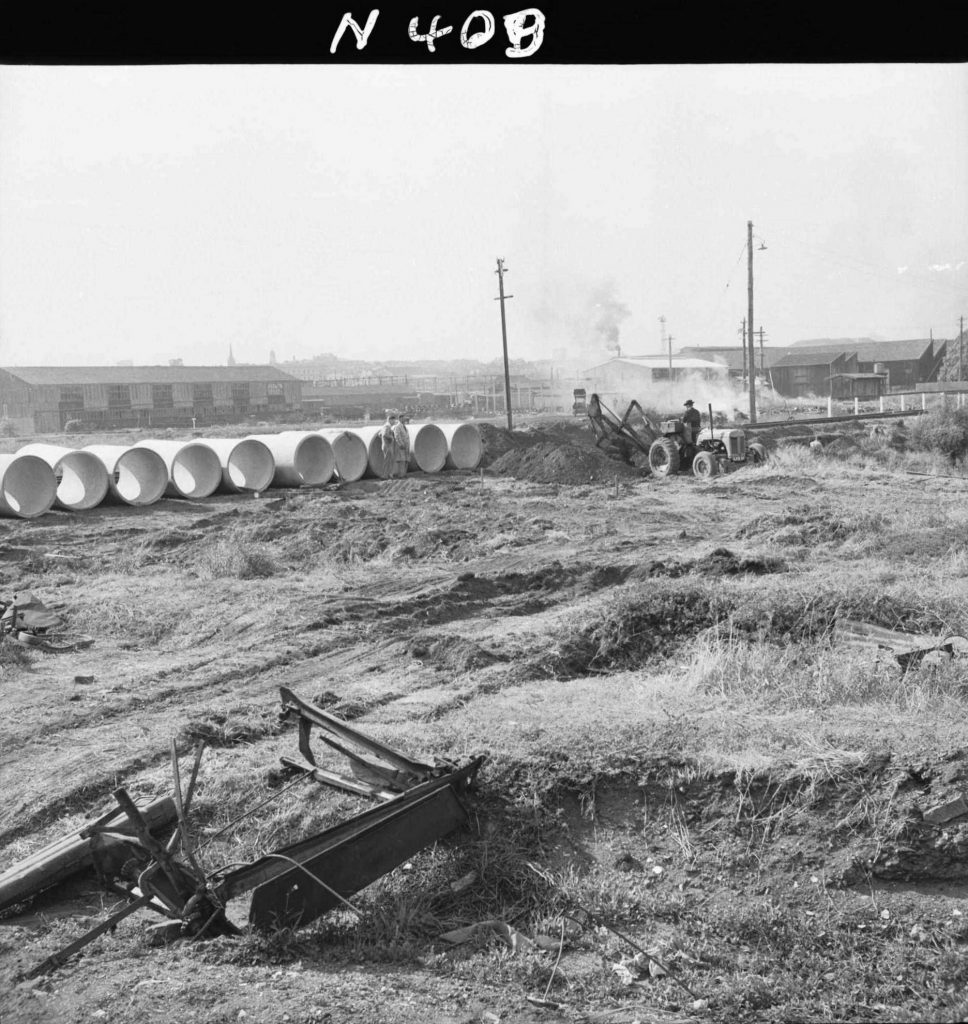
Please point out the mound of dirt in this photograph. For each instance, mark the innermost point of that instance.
(809, 526)
(499, 440)
(721, 562)
(454, 654)
(548, 463)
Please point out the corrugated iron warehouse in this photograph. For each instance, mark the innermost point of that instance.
(47, 398)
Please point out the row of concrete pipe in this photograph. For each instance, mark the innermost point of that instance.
(41, 476)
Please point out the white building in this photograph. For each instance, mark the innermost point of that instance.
(631, 378)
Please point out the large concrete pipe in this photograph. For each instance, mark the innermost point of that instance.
(464, 446)
(376, 463)
(428, 447)
(136, 475)
(350, 452)
(82, 480)
(28, 486)
(303, 458)
(194, 470)
(247, 464)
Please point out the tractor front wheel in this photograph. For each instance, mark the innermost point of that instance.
(757, 453)
(664, 457)
(705, 465)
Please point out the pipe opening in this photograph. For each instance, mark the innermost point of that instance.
(250, 466)
(429, 447)
(140, 477)
(27, 487)
(314, 461)
(350, 453)
(82, 481)
(465, 447)
(196, 471)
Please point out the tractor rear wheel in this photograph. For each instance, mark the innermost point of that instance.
(757, 453)
(705, 465)
(664, 457)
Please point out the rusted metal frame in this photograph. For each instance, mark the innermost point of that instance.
(295, 898)
(162, 855)
(621, 428)
(337, 781)
(293, 704)
(243, 879)
(55, 960)
(392, 777)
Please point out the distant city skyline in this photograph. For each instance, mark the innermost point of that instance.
(152, 213)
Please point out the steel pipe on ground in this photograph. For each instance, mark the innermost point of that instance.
(247, 464)
(194, 470)
(303, 458)
(82, 480)
(136, 475)
(350, 451)
(464, 446)
(28, 486)
(428, 447)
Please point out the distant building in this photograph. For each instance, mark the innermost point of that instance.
(810, 372)
(231, 360)
(906, 362)
(736, 356)
(45, 398)
(626, 378)
(864, 368)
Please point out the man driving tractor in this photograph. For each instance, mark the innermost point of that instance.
(692, 420)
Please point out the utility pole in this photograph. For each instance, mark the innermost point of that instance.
(742, 334)
(662, 343)
(961, 349)
(762, 363)
(501, 271)
(670, 357)
(752, 357)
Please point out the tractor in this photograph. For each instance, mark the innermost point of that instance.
(667, 446)
(712, 451)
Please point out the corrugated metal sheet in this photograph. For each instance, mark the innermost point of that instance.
(95, 396)
(141, 397)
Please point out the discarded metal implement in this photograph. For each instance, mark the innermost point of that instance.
(419, 804)
(908, 649)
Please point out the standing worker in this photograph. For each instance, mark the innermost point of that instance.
(692, 421)
(388, 443)
(401, 456)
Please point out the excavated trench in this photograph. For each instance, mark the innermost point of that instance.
(868, 819)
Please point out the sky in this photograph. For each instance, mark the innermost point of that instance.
(150, 213)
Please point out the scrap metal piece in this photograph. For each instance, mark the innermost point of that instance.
(909, 649)
(349, 856)
(398, 771)
(337, 781)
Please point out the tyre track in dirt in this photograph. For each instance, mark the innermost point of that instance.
(129, 730)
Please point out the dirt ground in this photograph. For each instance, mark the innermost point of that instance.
(681, 757)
